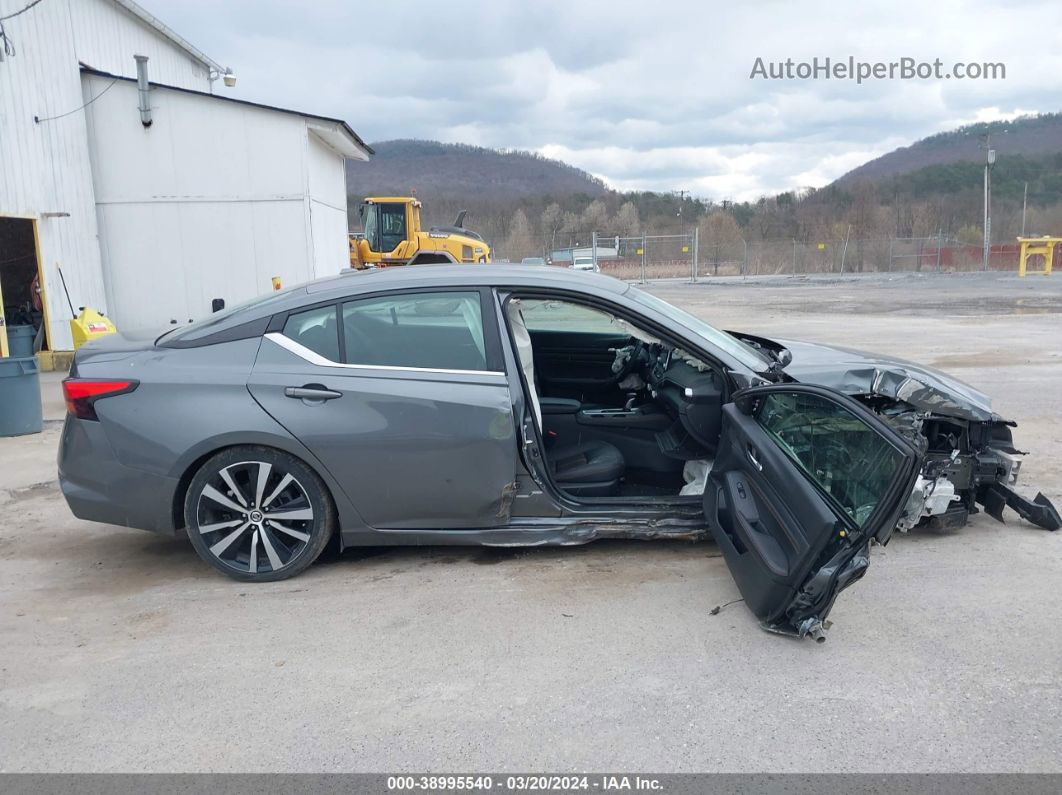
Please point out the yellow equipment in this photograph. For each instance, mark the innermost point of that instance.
(88, 326)
(1037, 246)
(393, 236)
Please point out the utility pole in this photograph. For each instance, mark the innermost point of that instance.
(1024, 204)
(990, 158)
(696, 246)
(643, 256)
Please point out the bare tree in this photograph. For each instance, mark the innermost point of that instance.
(595, 216)
(626, 221)
(520, 242)
(720, 239)
(552, 222)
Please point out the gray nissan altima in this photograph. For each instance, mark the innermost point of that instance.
(511, 406)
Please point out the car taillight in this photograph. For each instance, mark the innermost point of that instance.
(82, 393)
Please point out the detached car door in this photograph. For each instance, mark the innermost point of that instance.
(804, 478)
(403, 397)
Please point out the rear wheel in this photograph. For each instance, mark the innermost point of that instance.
(258, 514)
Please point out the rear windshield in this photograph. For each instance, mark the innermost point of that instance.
(230, 316)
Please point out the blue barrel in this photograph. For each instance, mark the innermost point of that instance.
(20, 340)
(20, 396)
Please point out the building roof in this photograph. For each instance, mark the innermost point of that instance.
(162, 29)
(335, 132)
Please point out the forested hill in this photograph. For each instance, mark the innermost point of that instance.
(451, 171)
(1031, 137)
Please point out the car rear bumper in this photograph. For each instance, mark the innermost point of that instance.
(98, 488)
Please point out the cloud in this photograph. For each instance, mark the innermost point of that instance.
(647, 97)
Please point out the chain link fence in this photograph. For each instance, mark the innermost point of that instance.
(694, 255)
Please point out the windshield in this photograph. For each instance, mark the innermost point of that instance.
(200, 328)
(746, 354)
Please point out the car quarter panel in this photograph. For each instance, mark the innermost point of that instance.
(127, 468)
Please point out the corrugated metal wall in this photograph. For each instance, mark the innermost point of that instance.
(212, 201)
(44, 167)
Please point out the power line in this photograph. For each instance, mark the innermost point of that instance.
(39, 120)
(20, 11)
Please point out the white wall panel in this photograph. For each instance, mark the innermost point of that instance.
(106, 37)
(45, 167)
(214, 198)
(211, 201)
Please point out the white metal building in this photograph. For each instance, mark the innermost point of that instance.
(150, 223)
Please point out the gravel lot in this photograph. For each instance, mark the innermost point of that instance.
(122, 652)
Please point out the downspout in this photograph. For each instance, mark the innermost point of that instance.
(143, 89)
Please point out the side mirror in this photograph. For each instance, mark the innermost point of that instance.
(785, 356)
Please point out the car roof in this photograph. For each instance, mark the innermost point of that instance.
(352, 283)
(410, 276)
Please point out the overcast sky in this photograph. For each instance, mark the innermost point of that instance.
(647, 95)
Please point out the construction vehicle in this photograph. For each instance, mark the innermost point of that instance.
(393, 236)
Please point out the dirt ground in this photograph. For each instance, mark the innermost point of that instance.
(121, 651)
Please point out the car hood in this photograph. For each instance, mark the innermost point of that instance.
(859, 373)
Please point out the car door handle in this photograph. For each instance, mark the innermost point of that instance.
(751, 453)
(311, 392)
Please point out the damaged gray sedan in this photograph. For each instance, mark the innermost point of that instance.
(512, 407)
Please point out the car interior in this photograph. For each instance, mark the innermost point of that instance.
(621, 413)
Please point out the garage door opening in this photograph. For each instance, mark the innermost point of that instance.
(22, 297)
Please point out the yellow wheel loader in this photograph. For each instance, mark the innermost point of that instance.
(393, 236)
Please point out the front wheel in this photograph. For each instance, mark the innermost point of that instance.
(258, 514)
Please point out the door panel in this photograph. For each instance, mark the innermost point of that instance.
(411, 449)
(804, 478)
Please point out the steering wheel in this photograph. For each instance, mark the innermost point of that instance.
(628, 359)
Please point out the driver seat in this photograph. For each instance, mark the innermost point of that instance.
(586, 469)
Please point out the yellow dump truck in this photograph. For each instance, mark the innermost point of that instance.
(393, 236)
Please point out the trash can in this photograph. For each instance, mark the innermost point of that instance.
(20, 340)
(20, 396)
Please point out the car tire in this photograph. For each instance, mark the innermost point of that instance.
(258, 514)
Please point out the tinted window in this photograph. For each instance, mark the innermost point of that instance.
(850, 461)
(434, 330)
(315, 329)
(229, 316)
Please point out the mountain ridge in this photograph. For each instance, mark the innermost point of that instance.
(435, 170)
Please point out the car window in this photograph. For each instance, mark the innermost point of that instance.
(852, 463)
(315, 329)
(545, 315)
(744, 353)
(229, 316)
(439, 330)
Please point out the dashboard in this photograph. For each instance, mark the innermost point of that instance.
(692, 395)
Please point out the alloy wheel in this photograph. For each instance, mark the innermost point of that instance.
(254, 517)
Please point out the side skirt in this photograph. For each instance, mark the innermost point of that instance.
(546, 532)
